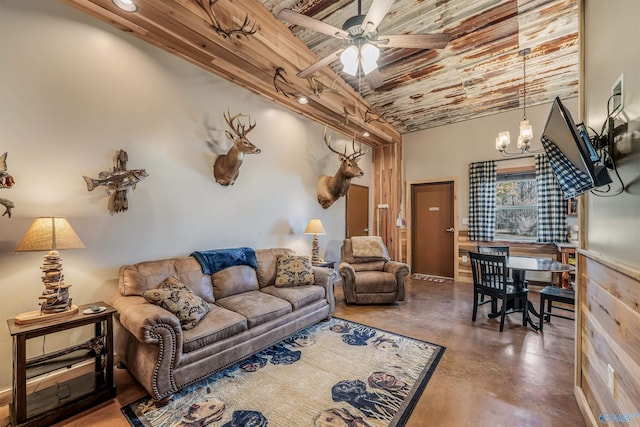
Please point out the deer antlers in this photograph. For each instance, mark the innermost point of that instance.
(239, 129)
(247, 27)
(356, 154)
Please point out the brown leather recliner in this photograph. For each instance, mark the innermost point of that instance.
(371, 279)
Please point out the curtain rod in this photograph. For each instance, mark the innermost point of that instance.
(516, 158)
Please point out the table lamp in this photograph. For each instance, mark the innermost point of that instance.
(315, 227)
(50, 234)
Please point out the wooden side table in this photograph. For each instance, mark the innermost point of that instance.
(328, 264)
(567, 256)
(65, 398)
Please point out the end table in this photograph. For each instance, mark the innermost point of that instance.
(65, 398)
(328, 264)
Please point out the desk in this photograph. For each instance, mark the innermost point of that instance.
(519, 265)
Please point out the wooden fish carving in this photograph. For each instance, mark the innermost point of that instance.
(6, 180)
(116, 181)
(8, 205)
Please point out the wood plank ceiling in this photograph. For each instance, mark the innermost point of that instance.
(478, 73)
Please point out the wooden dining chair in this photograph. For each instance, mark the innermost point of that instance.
(490, 278)
(495, 250)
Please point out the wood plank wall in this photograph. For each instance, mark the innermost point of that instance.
(387, 190)
(608, 331)
(542, 250)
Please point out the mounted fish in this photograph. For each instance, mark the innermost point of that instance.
(6, 181)
(118, 182)
(8, 205)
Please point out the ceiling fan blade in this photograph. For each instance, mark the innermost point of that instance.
(293, 17)
(377, 11)
(319, 64)
(415, 41)
(374, 79)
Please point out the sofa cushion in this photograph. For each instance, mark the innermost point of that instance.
(234, 280)
(258, 307)
(298, 296)
(267, 264)
(293, 270)
(375, 282)
(174, 296)
(219, 324)
(143, 276)
(369, 266)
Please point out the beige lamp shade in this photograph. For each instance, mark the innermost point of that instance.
(314, 227)
(48, 233)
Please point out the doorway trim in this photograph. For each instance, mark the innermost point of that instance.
(346, 209)
(408, 188)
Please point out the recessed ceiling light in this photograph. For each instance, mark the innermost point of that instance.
(126, 5)
(303, 99)
(366, 133)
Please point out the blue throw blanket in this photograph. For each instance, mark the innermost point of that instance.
(218, 259)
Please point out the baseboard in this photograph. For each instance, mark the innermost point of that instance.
(585, 409)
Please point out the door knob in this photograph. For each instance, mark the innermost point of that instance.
(450, 230)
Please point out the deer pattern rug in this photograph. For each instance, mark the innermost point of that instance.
(333, 373)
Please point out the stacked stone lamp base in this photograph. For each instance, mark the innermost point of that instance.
(55, 296)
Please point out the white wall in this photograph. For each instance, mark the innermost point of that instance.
(73, 91)
(446, 151)
(611, 49)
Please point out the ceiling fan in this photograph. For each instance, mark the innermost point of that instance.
(362, 40)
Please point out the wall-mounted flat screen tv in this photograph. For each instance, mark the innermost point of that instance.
(574, 161)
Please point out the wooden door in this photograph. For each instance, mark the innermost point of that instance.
(432, 228)
(357, 211)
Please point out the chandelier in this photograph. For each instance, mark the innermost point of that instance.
(526, 131)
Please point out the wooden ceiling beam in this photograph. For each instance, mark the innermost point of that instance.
(185, 28)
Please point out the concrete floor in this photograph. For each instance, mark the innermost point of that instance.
(486, 378)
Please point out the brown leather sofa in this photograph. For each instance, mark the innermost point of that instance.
(371, 279)
(247, 313)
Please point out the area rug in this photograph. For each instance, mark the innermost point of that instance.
(333, 373)
(430, 278)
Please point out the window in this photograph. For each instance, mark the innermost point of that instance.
(516, 205)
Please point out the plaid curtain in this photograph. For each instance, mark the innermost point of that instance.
(552, 208)
(572, 181)
(482, 200)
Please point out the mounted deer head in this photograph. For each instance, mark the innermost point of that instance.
(330, 188)
(227, 166)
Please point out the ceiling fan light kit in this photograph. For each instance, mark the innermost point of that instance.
(360, 35)
(349, 59)
(366, 55)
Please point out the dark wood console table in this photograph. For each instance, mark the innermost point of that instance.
(69, 397)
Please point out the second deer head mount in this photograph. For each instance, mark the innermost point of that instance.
(331, 188)
(227, 166)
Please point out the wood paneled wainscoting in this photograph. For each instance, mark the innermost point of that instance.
(531, 249)
(608, 338)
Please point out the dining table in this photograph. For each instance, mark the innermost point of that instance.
(519, 265)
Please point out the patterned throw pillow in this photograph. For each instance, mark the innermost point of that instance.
(293, 270)
(176, 297)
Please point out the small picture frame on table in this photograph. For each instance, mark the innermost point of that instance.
(572, 206)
